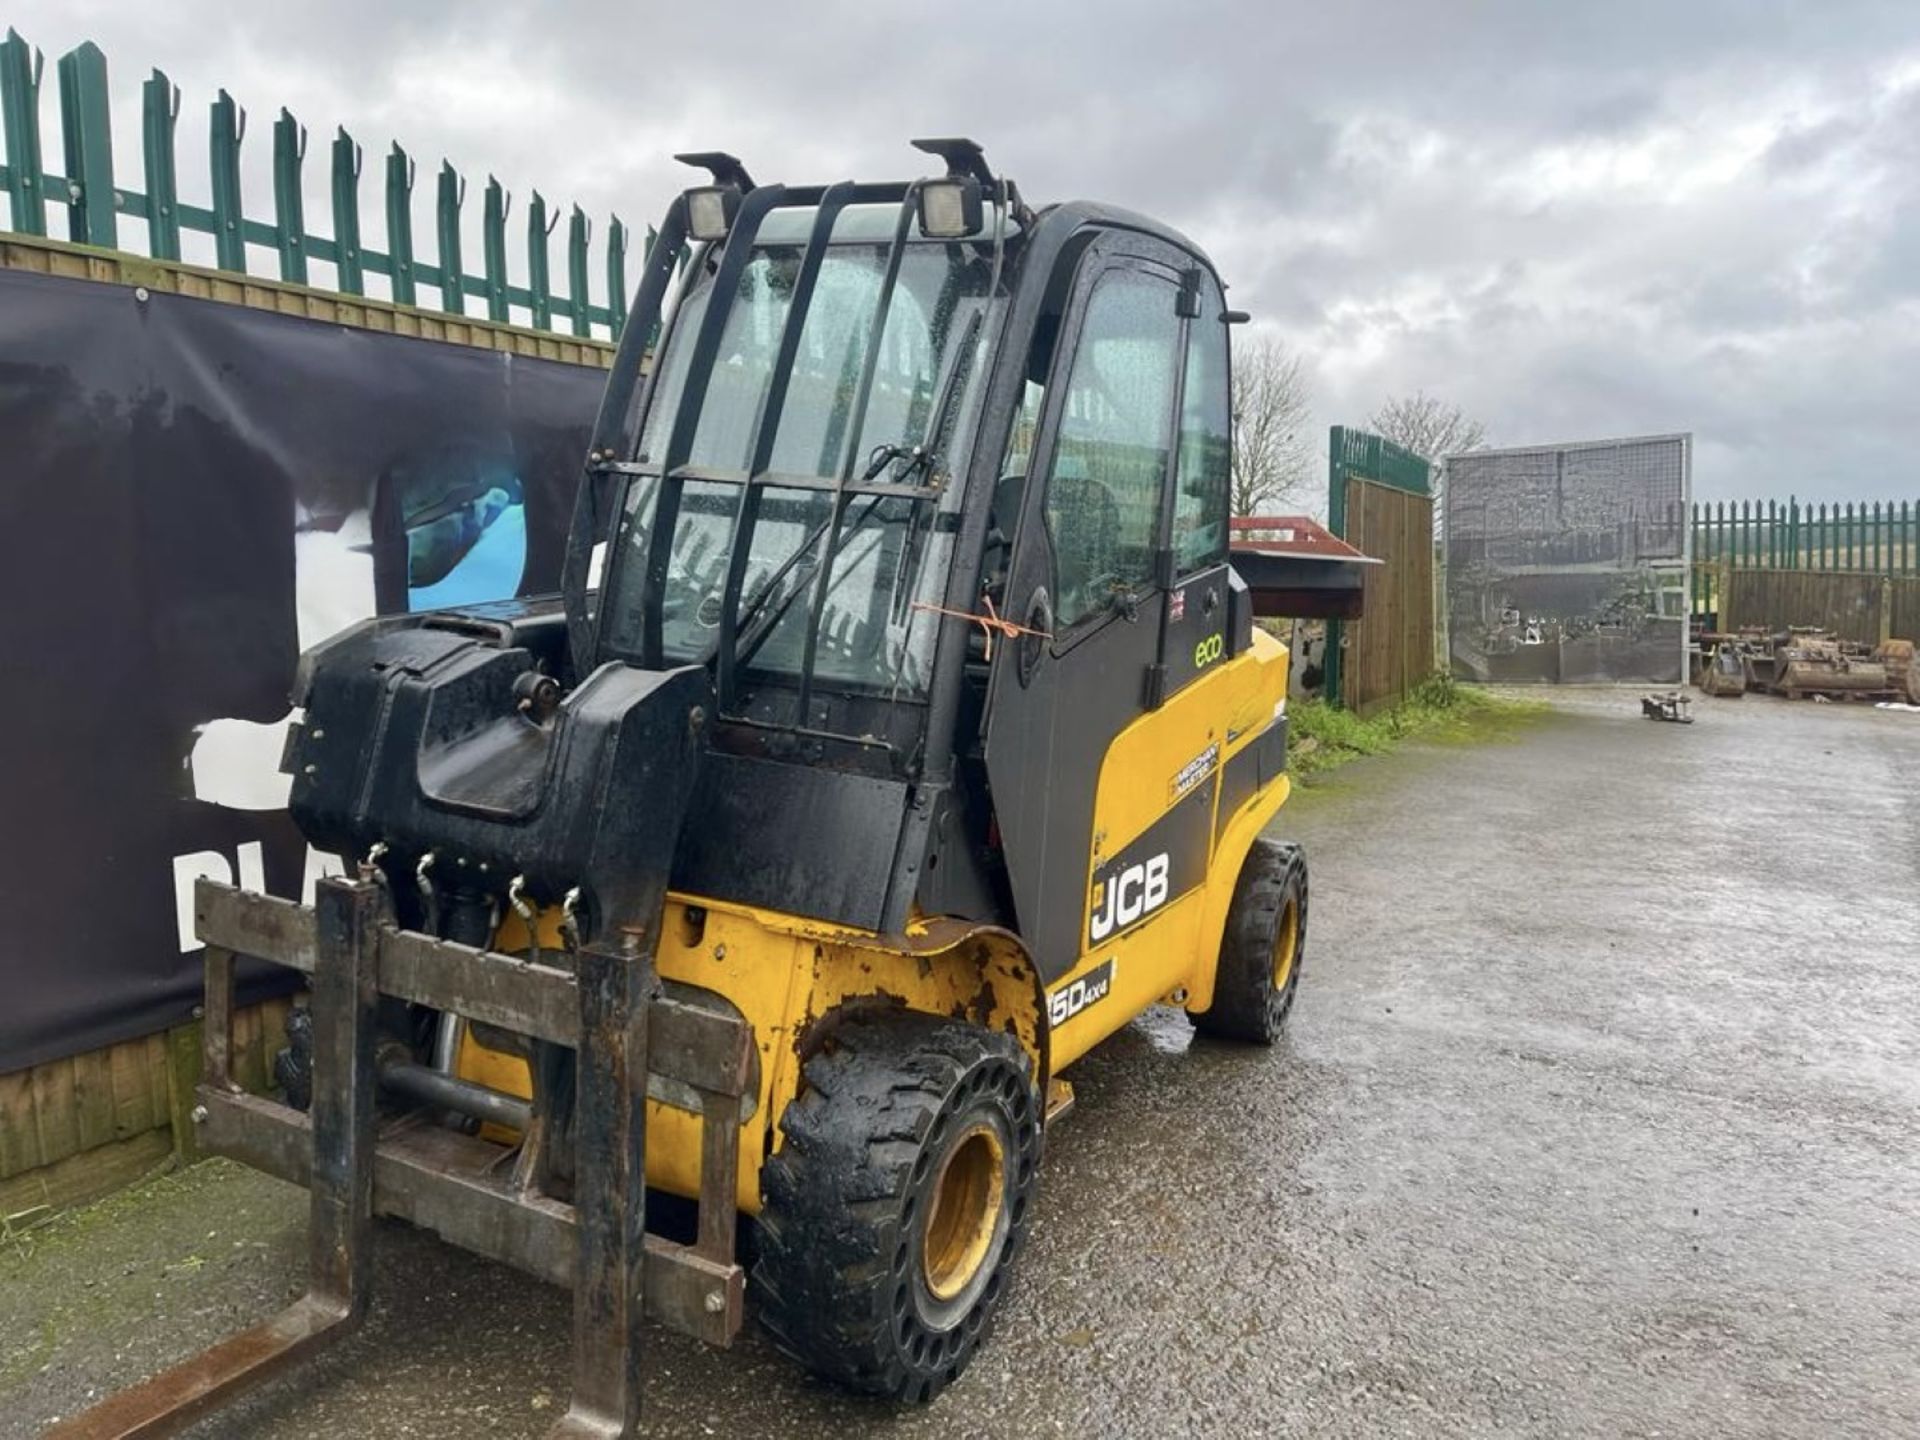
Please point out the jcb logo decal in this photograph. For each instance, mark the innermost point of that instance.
(1208, 651)
(1136, 891)
(1069, 1000)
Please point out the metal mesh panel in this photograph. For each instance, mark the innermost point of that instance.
(1568, 563)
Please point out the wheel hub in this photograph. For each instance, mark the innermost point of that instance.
(965, 1211)
(1286, 943)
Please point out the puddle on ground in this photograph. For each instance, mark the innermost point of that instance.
(1166, 1029)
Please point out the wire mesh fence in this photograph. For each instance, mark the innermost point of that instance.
(1568, 563)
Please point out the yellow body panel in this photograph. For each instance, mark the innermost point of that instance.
(786, 975)
(1177, 948)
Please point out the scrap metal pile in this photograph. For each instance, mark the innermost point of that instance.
(1802, 662)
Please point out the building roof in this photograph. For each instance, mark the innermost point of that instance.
(1299, 537)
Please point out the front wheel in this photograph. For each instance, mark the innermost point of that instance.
(1260, 953)
(897, 1201)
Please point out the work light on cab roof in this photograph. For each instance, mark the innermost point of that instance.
(950, 207)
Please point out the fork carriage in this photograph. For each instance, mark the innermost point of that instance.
(498, 1200)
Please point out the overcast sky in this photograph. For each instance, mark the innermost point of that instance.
(1579, 220)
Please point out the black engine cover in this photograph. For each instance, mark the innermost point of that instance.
(415, 735)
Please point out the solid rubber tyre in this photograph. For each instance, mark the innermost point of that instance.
(1252, 994)
(897, 1202)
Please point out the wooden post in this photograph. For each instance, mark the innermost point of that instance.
(184, 1053)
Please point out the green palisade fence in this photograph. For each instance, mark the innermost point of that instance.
(93, 204)
(1868, 538)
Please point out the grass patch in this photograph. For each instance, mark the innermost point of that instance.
(1323, 737)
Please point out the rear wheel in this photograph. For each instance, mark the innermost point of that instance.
(1260, 953)
(897, 1202)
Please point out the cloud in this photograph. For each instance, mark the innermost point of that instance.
(1582, 219)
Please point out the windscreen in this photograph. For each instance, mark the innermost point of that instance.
(892, 550)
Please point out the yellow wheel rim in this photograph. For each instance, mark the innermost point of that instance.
(965, 1211)
(1286, 944)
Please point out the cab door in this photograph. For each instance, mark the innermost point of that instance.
(1197, 637)
(1088, 573)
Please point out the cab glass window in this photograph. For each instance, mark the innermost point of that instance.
(1110, 459)
(1201, 498)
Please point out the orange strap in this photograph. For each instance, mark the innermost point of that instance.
(992, 623)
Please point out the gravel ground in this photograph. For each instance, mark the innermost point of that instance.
(1598, 1117)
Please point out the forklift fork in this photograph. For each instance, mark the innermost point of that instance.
(607, 1008)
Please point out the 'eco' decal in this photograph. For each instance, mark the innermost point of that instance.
(1209, 650)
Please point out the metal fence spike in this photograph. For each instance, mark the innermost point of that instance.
(20, 69)
(400, 177)
(92, 217)
(349, 267)
(452, 195)
(159, 115)
(289, 205)
(227, 132)
(493, 241)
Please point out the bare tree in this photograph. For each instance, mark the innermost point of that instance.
(1427, 425)
(1272, 451)
(1433, 429)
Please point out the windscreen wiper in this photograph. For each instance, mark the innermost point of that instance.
(923, 458)
(752, 640)
(917, 457)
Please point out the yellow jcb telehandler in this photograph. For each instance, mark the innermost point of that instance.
(900, 733)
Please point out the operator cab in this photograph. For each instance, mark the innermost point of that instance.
(920, 506)
(824, 492)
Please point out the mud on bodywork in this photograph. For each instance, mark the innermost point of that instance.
(978, 973)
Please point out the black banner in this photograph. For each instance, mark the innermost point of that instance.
(190, 493)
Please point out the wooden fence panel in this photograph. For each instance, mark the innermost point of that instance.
(1390, 648)
(133, 1110)
(93, 1098)
(54, 1110)
(19, 1130)
(79, 1127)
(1847, 603)
(1903, 606)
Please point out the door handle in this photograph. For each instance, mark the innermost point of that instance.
(1032, 645)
